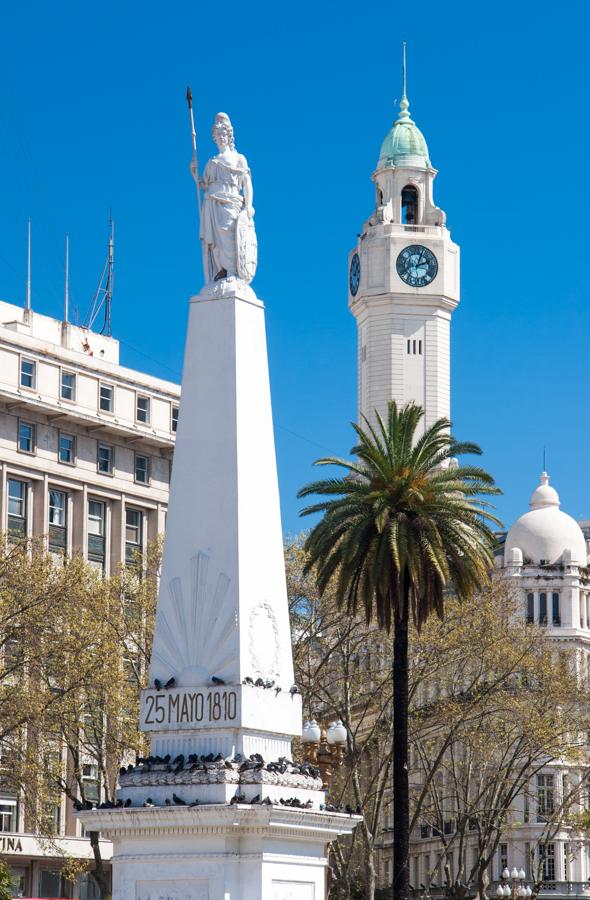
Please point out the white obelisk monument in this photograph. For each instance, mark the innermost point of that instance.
(218, 811)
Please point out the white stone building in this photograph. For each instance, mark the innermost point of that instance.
(403, 288)
(85, 458)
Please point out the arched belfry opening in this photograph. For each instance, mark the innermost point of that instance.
(409, 205)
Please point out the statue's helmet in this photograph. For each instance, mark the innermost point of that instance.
(223, 123)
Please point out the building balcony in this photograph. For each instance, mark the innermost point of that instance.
(61, 415)
(557, 889)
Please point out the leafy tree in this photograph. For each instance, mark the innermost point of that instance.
(91, 658)
(5, 882)
(405, 525)
(490, 709)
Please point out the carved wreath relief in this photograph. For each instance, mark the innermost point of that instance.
(264, 641)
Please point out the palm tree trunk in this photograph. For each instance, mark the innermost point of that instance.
(401, 800)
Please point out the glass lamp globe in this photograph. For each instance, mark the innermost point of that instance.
(506, 873)
(514, 874)
(522, 874)
(499, 891)
(336, 733)
(311, 733)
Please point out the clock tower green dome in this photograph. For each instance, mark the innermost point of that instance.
(404, 145)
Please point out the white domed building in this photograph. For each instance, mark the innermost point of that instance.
(544, 557)
(545, 550)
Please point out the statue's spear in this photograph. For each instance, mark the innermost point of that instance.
(189, 100)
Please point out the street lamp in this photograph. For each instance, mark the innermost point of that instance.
(513, 885)
(326, 747)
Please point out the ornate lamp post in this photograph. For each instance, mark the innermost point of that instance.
(326, 747)
(513, 885)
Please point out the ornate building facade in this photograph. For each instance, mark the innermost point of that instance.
(85, 457)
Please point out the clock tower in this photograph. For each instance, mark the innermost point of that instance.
(403, 281)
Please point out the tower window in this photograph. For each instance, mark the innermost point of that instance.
(530, 609)
(555, 609)
(409, 205)
(542, 609)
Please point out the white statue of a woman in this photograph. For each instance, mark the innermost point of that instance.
(227, 215)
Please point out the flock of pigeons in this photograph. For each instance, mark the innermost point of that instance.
(210, 762)
(293, 802)
(260, 682)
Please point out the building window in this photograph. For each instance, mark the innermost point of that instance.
(26, 437)
(547, 855)
(545, 797)
(91, 782)
(543, 609)
(133, 533)
(530, 609)
(174, 419)
(555, 608)
(96, 531)
(142, 409)
(142, 469)
(105, 459)
(502, 859)
(57, 520)
(57, 508)
(67, 448)
(7, 814)
(28, 372)
(17, 507)
(106, 395)
(68, 386)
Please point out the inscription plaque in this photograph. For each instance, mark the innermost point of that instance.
(189, 708)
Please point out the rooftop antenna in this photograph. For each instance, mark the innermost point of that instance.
(67, 285)
(28, 300)
(103, 295)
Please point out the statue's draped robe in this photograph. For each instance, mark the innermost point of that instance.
(223, 201)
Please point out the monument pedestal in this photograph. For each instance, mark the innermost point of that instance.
(219, 852)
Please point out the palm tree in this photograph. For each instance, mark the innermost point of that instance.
(404, 525)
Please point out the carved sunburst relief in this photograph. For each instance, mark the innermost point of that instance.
(196, 632)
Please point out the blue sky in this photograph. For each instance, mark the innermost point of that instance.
(93, 116)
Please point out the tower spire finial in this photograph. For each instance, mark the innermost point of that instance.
(404, 106)
(404, 45)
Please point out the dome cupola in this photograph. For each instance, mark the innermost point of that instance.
(404, 145)
(545, 535)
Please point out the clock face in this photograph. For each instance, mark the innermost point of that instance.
(417, 265)
(354, 278)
